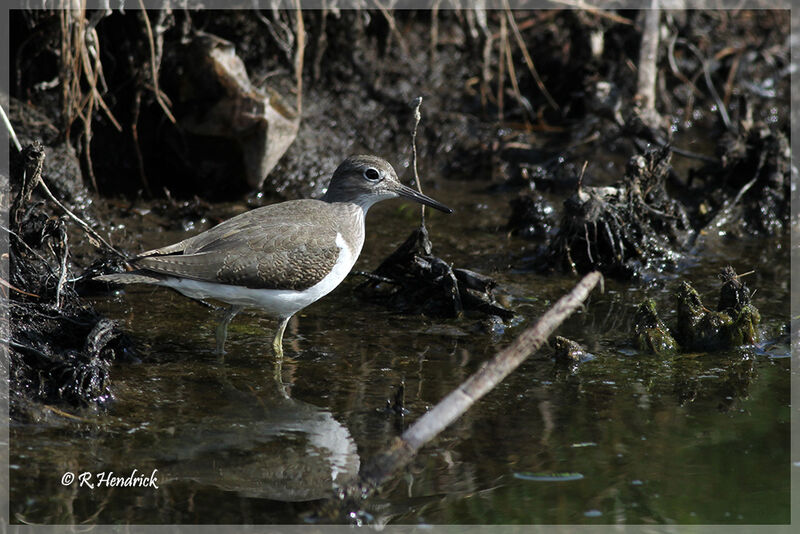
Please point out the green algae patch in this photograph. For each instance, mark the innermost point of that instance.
(652, 335)
(698, 328)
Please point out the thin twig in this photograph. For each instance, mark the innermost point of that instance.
(300, 38)
(62, 275)
(480, 17)
(85, 226)
(580, 176)
(434, 29)
(137, 104)
(62, 413)
(322, 42)
(393, 27)
(648, 53)
(11, 132)
(501, 67)
(528, 59)
(579, 4)
(540, 18)
(70, 66)
(284, 44)
(153, 66)
(512, 73)
(87, 138)
(376, 277)
(726, 99)
(673, 65)
(9, 286)
(709, 83)
(96, 74)
(417, 117)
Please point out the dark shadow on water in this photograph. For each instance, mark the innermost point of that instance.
(207, 430)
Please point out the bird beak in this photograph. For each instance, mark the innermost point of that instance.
(416, 196)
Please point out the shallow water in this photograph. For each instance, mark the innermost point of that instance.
(694, 438)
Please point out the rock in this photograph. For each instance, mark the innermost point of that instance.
(214, 98)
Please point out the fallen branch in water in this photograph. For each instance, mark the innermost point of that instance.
(427, 427)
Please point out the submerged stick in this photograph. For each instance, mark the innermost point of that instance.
(484, 380)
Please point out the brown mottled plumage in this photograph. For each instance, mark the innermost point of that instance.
(267, 248)
(280, 257)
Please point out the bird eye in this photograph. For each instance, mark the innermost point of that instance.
(372, 174)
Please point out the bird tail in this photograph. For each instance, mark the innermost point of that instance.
(132, 277)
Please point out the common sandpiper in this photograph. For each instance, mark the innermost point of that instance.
(279, 258)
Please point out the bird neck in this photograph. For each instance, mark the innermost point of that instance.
(348, 219)
(363, 201)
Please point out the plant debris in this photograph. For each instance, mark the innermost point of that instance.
(652, 335)
(749, 192)
(412, 280)
(697, 328)
(627, 230)
(568, 351)
(60, 349)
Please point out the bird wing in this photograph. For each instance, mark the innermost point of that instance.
(274, 247)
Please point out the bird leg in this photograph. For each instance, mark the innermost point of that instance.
(277, 343)
(277, 375)
(222, 328)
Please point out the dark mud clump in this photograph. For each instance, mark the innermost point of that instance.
(60, 350)
(627, 230)
(748, 193)
(568, 352)
(413, 280)
(532, 216)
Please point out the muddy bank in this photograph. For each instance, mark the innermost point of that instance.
(61, 350)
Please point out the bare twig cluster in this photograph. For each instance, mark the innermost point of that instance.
(82, 81)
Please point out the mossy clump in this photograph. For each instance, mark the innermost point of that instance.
(652, 335)
(735, 300)
(697, 328)
(568, 351)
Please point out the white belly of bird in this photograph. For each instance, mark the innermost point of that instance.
(277, 302)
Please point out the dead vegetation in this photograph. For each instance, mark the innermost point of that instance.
(60, 349)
